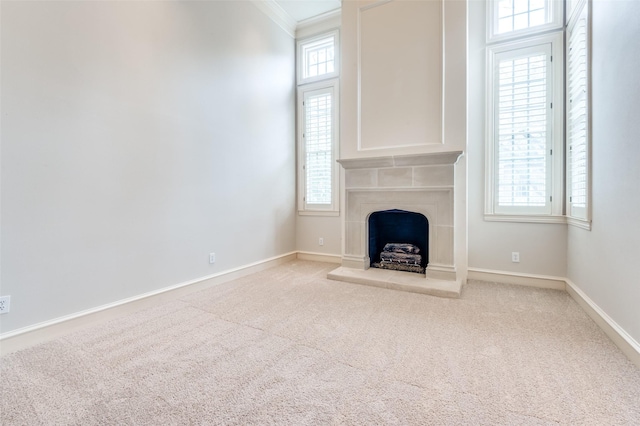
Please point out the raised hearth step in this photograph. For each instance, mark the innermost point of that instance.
(397, 280)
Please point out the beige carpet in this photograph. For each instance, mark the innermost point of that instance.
(288, 346)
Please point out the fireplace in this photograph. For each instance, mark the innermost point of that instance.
(398, 240)
(420, 185)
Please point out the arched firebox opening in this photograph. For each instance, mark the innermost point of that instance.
(399, 240)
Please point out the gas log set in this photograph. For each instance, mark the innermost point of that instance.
(400, 257)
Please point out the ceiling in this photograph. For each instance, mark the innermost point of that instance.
(300, 10)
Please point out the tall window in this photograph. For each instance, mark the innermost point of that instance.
(318, 125)
(524, 129)
(578, 151)
(527, 116)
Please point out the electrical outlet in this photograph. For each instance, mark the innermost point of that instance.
(212, 258)
(5, 304)
(515, 257)
(320, 241)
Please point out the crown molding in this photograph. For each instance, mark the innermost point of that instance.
(320, 19)
(278, 15)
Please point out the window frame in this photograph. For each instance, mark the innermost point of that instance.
(305, 208)
(328, 81)
(579, 216)
(553, 211)
(555, 9)
(300, 62)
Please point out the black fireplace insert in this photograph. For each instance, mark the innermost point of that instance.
(392, 228)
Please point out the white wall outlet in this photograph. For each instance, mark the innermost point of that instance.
(5, 304)
(515, 256)
(320, 241)
(212, 258)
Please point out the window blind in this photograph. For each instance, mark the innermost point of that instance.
(577, 117)
(318, 143)
(522, 116)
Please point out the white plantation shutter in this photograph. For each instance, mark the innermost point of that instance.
(577, 119)
(522, 131)
(318, 136)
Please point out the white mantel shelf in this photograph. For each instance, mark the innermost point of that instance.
(433, 159)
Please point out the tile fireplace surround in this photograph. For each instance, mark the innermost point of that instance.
(421, 183)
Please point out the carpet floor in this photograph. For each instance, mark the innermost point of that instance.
(288, 346)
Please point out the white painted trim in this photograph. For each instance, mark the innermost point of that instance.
(617, 334)
(579, 223)
(48, 330)
(38, 333)
(627, 344)
(320, 257)
(273, 10)
(431, 159)
(505, 277)
(317, 24)
(525, 218)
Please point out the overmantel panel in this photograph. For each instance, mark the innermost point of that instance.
(400, 74)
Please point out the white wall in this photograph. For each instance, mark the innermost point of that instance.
(603, 262)
(137, 137)
(542, 247)
(311, 228)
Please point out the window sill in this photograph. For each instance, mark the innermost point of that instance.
(579, 223)
(318, 213)
(525, 218)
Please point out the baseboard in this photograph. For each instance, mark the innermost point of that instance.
(39, 333)
(320, 257)
(617, 334)
(48, 330)
(504, 277)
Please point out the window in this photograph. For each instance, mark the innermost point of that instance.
(578, 149)
(318, 101)
(524, 140)
(317, 58)
(513, 18)
(527, 180)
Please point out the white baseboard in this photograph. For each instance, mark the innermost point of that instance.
(48, 330)
(617, 334)
(32, 335)
(320, 257)
(622, 339)
(504, 277)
